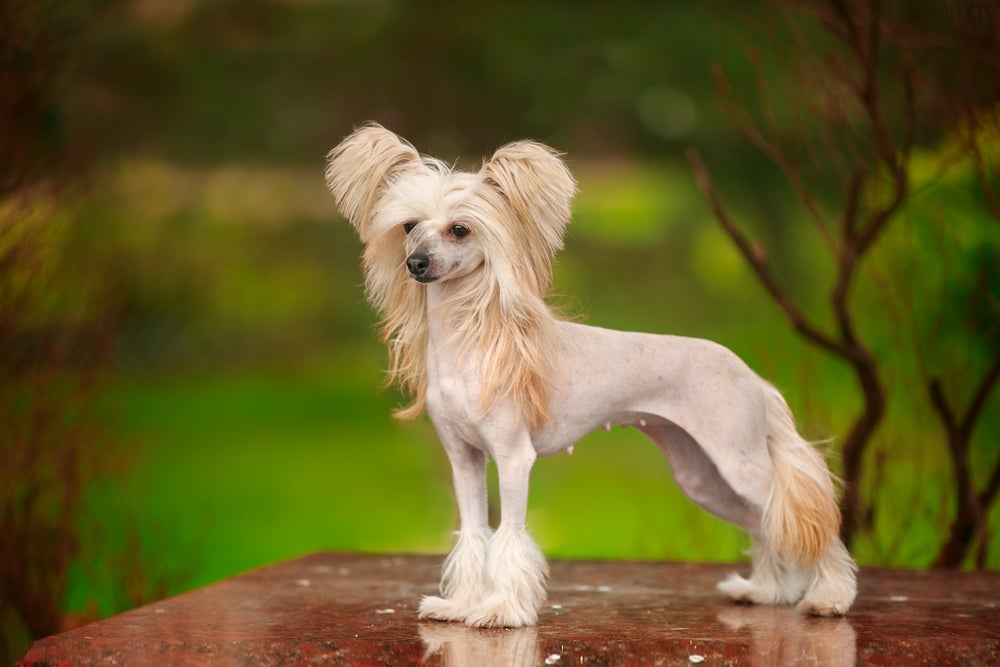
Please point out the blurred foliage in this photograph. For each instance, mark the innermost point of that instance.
(872, 86)
(57, 329)
(245, 378)
(55, 334)
(936, 283)
(34, 38)
(268, 80)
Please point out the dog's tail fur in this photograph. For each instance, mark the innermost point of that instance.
(802, 516)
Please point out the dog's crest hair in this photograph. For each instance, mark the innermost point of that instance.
(520, 199)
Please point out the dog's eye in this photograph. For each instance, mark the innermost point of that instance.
(459, 231)
(409, 225)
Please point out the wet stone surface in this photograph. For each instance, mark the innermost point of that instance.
(333, 608)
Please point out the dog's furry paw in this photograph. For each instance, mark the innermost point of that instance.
(823, 608)
(441, 609)
(495, 613)
(830, 598)
(738, 589)
(752, 591)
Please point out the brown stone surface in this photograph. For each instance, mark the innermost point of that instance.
(335, 608)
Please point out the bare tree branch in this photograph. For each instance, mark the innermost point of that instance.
(983, 173)
(970, 517)
(866, 76)
(992, 486)
(852, 200)
(941, 406)
(757, 259)
(875, 158)
(794, 178)
(980, 396)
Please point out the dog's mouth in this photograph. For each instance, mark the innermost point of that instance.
(422, 278)
(423, 270)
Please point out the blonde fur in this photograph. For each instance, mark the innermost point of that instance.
(458, 266)
(802, 516)
(501, 316)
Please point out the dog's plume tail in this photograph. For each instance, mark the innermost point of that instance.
(802, 516)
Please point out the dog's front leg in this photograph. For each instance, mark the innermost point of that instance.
(516, 570)
(462, 579)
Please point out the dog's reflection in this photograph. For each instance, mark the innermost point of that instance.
(460, 645)
(780, 636)
(784, 636)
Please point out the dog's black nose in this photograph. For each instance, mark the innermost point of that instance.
(418, 263)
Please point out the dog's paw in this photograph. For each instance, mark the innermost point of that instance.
(738, 589)
(830, 598)
(441, 609)
(762, 589)
(823, 608)
(497, 613)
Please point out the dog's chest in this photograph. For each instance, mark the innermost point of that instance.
(449, 397)
(452, 407)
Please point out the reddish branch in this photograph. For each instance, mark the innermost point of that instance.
(845, 344)
(878, 158)
(970, 520)
(972, 506)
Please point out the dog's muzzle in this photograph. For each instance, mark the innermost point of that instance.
(417, 264)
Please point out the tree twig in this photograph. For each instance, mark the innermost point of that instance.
(757, 259)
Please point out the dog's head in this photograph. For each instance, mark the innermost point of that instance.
(418, 216)
(490, 234)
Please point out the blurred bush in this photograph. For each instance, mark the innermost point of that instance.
(56, 334)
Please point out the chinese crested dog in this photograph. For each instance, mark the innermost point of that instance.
(458, 265)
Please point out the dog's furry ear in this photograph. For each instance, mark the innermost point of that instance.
(536, 182)
(359, 168)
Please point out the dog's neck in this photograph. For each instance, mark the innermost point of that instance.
(443, 356)
(511, 355)
(457, 305)
(437, 295)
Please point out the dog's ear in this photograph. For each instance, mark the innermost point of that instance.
(536, 182)
(359, 168)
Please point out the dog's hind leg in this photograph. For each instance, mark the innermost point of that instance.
(516, 570)
(774, 580)
(832, 582)
(796, 554)
(799, 554)
(697, 475)
(462, 578)
(824, 587)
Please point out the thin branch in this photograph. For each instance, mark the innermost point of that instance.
(962, 428)
(910, 107)
(791, 173)
(852, 36)
(969, 523)
(851, 205)
(757, 260)
(874, 35)
(940, 403)
(989, 492)
(982, 393)
(983, 174)
(886, 153)
(771, 147)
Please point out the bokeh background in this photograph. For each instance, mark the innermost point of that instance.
(191, 380)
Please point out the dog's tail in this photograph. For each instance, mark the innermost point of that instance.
(802, 516)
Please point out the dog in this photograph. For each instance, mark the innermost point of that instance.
(458, 265)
